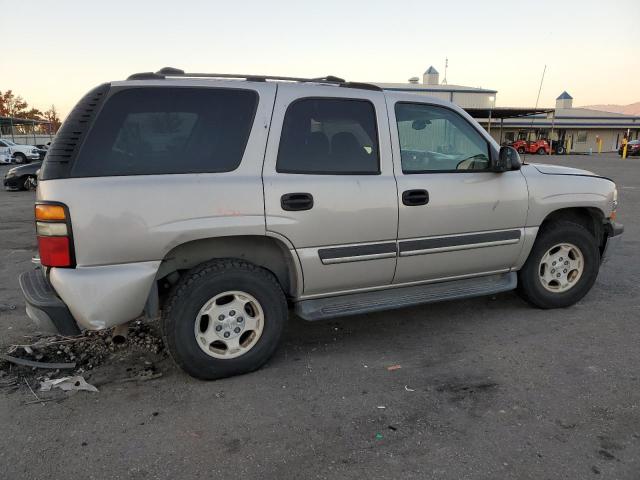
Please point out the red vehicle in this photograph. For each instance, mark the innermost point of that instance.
(541, 147)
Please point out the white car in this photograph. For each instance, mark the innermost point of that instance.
(20, 153)
(5, 156)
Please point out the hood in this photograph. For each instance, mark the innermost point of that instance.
(560, 170)
(24, 169)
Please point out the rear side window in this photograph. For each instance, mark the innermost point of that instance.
(327, 136)
(146, 131)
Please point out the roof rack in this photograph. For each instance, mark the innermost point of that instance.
(166, 72)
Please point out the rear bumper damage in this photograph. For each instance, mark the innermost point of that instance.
(44, 307)
(87, 298)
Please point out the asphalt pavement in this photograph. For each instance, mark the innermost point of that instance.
(487, 388)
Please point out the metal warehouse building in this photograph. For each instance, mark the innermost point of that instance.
(579, 130)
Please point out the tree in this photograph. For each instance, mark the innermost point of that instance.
(12, 105)
(51, 116)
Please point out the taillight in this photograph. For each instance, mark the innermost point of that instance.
(53, 229)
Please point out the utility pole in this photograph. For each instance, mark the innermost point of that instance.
(446, 65)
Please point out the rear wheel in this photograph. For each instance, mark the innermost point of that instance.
(541, 151)
(520, 150)
(224, 318)
(562, 266)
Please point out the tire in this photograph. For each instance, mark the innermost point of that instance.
(20, 157)
(541, 151)
(182, 316)
(29, 183)
(520, 150)
(531, 287)
(560, 150)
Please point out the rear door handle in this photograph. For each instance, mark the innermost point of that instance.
(294, 202)
(413, 198)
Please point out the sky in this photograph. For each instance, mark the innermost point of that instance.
(54, 52)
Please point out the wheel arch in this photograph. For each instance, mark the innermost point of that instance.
(265, 251)
(591, 218)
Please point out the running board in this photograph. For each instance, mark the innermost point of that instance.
(358, 303)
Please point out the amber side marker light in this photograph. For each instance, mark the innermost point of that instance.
(50, 212)
(54, 235)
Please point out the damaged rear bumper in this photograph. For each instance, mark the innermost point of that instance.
(44, 307)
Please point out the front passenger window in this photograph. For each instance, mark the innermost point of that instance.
(437, 139)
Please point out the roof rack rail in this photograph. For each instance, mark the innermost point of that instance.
(165, 72)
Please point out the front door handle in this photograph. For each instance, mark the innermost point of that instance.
(411, 198)
(294, 202)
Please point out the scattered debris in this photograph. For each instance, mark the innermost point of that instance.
(406, 387)
(394, 367)
(67, 383)
(392, 428)
(31, 363)
(379, 436)
(381, 407)
(120, 333)
(7, 306)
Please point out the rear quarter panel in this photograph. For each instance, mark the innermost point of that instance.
(139, 218)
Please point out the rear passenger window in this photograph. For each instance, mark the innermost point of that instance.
(146, 131)
(327, 136)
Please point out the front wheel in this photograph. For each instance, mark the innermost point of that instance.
(224, 318)
(562, 266)
(520, 150)
(541, 151)
(20, 158)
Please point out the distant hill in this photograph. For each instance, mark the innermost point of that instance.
(631, 109)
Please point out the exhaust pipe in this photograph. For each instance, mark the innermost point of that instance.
(120, 333)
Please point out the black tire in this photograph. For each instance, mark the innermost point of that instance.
(520, 150)
(529, 285)
(20, 157)
(27, 183)
(560, 150)
(198, 286)
(541, 151)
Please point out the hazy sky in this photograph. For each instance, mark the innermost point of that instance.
(53, 52)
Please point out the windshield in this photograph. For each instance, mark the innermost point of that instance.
(10, 143)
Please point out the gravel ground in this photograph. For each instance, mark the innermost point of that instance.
(487, 388)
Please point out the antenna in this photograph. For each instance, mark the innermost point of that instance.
(537, 100)
(446, 65)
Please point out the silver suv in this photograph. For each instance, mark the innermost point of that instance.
(219, 201)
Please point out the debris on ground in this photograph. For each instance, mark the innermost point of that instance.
(31, 363)
(67, 383)
(406, 387)
(7, 306)
(391, 368)
(44, 358)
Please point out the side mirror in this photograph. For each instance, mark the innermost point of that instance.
(508, 159)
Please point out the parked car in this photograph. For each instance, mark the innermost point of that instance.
(218, 203)
(42, 150)
(541, 147)
(633, 148)
(20, 153)
(5, 156)
(23, 177)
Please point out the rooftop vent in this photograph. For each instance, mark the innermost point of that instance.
(414, 80)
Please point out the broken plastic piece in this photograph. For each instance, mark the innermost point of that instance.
(67, 383)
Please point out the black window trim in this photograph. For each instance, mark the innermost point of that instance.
(115, 90)
(490, 150)
(375, 124)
